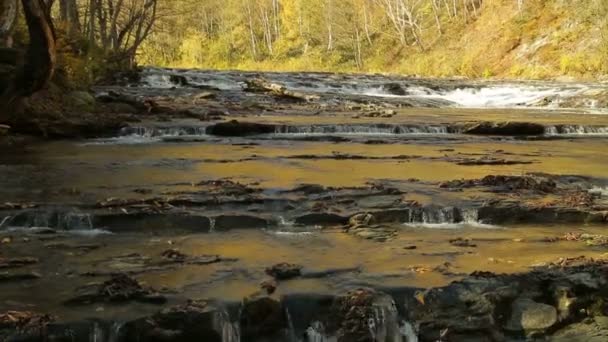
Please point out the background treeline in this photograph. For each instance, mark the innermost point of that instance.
(509, 38)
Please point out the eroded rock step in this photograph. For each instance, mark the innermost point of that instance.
(559, 301)
(223, 205)
(243, 129)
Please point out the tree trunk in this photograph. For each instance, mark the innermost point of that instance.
(39, 64)
(8, 17)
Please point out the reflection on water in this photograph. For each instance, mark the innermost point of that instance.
(413, 258)
(60, 170)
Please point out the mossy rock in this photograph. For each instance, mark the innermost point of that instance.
(80, 100)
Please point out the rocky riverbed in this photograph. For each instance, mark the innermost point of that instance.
(228, 206)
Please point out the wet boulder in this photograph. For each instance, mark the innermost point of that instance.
(284, 271)
(179, 80)
(119, 288)
(80, 100)
(191, 322)
(263, 319)
(23, 325)
(530, 316)
(505, 128)
(260, 85)
(235, 128)
(488, 307)
(360, 315)
(394, 89)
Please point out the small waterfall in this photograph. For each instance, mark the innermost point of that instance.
(211, 224)
(435, 215)
(315, 333)
(105, 332)
(600, 192)
(446, 218)
(34, 219)
(5, 220)
(115, 332)
(155, 132)
(291, 333)
(230, 332)
(369, 129)
(97, 334)
(470, 215)
(66, 220)
(75, 221)
(557, 130)
(407, 330)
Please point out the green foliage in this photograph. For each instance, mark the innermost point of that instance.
(80, 65)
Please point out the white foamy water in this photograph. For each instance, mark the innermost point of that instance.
(575, 130)
(89, 232)
(599, 191)
(409, 332)
(504, 96)
(459, 225)
(466, 96)
(123, 140)
(93, 232)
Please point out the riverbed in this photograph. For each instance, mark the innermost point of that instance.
(379, 182)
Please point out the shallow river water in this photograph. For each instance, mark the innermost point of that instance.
(336, 148)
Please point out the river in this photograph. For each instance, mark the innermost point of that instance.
(395, 148)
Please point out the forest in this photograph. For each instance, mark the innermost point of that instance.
(475, 38)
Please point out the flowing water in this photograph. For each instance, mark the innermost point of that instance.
(327, 144)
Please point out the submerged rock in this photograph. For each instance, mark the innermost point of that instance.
(589, 239)
(284, 271)
(191, 322)
(507, 183)
(460, 242)
(120, 288)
